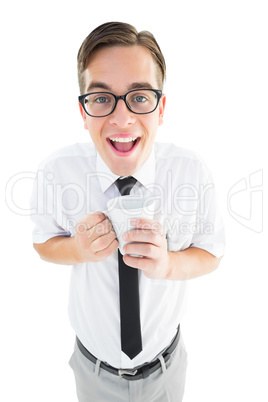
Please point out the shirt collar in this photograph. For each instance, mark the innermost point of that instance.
(145, 175)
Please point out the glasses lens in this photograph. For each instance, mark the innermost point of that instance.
(142, 101)
(99, 103)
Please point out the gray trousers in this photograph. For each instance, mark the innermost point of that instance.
(94, 384)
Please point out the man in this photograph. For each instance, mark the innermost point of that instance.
(121, 74)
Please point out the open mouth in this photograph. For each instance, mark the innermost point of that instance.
(123, 145)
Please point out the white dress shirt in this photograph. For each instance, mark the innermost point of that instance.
(74, 182)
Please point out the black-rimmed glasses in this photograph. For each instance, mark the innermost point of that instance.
(139, 101)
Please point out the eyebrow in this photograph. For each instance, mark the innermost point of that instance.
(102, 85)
(140, 85)
(97, 84)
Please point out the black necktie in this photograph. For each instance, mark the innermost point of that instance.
(131, 343)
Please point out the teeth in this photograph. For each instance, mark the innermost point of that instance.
(119, 139)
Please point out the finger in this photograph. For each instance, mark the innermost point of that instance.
(142, 249)
(89, 221)
(150, 224)
(100, 229)
(143, 236)
(102, 242)
(102, 254)
(144, 264)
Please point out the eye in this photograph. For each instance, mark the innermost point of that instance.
(139, 99)
(101, 99)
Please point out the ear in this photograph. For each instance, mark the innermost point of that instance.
(162, 105)
(84, 116)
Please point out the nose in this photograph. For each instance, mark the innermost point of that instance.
(122, 116)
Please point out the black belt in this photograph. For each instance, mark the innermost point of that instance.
(138, 373)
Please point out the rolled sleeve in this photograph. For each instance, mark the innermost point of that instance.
(47, 222)
(210, 233)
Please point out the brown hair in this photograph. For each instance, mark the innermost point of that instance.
(118, 34)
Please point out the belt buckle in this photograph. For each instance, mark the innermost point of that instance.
(127, 372)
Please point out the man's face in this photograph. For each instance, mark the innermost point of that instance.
(119, 70)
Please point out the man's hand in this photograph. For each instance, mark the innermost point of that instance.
(95, 239)
(157, 262)
(150, 243)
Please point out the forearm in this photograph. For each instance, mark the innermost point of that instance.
(59, 250)
(94, 240)
(191, 263)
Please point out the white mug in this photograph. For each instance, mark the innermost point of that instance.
(121, 210)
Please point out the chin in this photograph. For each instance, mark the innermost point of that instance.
(123, 169)
(124, 172)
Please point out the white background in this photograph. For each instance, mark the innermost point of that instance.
(217, 89)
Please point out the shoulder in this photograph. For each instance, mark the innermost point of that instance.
(72, 153)
(173, 153)
(183, 164)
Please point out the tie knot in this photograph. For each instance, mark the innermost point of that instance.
(125, 185)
